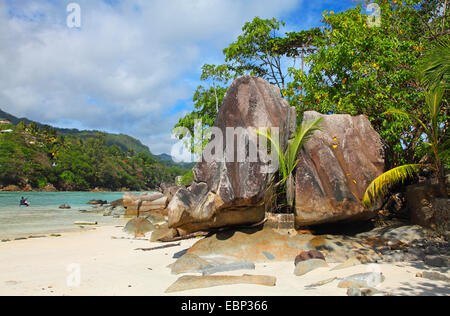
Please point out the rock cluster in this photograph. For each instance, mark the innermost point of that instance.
(11, 188)
(336, 165)
(115, 211)
(48, 188)
(407, 243)
(239, 250)
(230, 191)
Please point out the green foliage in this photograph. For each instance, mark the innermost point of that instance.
(256, 51)
(381, 185)
(433, 131)
(288, 159)
(41, 181)
(207, 102)
(358, 69)
(187, 178)
(37, 155)
(435, 67)
(124, 142)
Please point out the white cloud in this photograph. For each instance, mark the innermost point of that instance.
(127, 66)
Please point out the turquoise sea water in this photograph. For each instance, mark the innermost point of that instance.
(44, 215)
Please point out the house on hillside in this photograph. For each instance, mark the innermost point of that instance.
(4, 121)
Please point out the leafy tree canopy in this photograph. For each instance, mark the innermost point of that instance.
(349, 66)
(356, 69)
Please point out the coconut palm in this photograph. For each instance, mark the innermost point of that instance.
(288, 159)
(435, 67)
(434, 73)
(381, 185)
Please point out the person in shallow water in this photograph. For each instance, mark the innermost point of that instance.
(24, 202)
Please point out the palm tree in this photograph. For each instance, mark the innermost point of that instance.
(288, 159)
(381, 185)
(435, 67)
(434, 73)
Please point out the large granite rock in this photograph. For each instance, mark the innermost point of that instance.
(138, 227)
(336, 165)
(163, 231)
(144, 203)
(441, 215)
(233, 192)
(170, 191)
(426, 208)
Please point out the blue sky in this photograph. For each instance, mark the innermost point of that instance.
(133, 66)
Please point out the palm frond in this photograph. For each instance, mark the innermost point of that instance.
(433, 100)
(435, 67)
(381, 185)
(275, 145)
(288, 159)
(301, 137)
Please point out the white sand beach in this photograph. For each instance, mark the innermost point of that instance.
(111, 266)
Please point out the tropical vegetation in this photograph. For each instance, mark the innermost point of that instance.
(395, 72)
(282, 184)
(39, 156)
(434, 75)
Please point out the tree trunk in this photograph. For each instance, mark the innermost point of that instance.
(442, 180)
(290, 191)
(217, 99)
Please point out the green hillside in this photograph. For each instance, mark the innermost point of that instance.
(125, 142)
(38, 155)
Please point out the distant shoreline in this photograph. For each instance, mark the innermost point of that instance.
(65, 191)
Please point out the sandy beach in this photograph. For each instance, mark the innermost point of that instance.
(110, 265)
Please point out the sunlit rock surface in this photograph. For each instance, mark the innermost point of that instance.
(336, 166)
(232, 193)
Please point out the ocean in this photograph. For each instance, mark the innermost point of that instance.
(44, 214)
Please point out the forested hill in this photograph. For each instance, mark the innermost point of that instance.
(37, 155)
(125, 142)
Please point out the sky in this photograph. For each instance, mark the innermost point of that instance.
(132, 66)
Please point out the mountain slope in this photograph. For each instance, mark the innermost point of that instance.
(125, 142)
(168, 161)
(39, 158)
